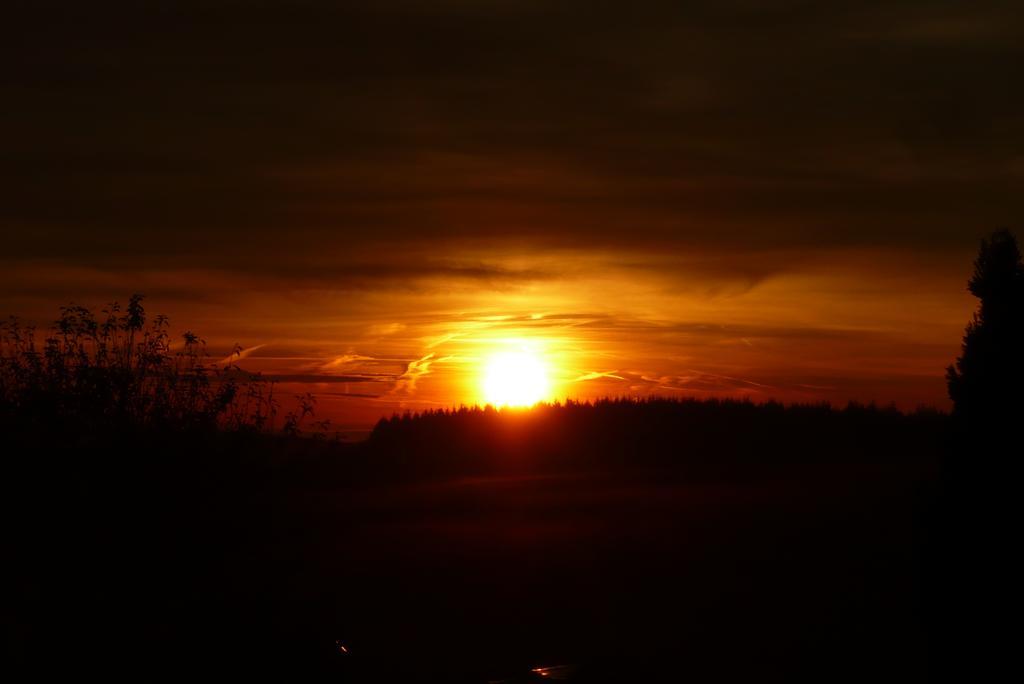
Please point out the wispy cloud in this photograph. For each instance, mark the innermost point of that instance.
(317, 379)
(691, 381)
(344, 360)
(405, 384)
(239, 354)
(596, 375)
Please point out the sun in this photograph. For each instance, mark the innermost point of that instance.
(515, 378)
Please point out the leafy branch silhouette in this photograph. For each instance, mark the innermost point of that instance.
(117, 369)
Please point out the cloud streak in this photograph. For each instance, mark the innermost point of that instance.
(405, 384)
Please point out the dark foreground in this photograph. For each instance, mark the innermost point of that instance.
(624, 543)
(804, 577)
(813, 574)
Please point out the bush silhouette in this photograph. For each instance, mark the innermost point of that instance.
(987, 379)
(115, 371)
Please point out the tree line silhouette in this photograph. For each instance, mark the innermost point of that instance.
(708, 437)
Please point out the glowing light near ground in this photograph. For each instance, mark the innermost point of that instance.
(518, 378)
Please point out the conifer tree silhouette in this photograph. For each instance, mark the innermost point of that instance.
(987, 380)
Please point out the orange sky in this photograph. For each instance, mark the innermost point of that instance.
(848, 324)
(776, 200)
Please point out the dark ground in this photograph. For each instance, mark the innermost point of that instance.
(628, 543)
(259, 557)
(791, 578)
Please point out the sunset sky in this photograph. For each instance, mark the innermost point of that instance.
(774, 200)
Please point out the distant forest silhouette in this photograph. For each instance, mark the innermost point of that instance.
(734, 438)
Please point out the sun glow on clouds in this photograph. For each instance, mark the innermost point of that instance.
(606, 325)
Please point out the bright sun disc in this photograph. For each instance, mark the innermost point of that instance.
(515, 379)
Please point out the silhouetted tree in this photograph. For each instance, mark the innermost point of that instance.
(987, 380)
(976, 570)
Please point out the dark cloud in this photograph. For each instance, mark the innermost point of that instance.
(225, 132)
